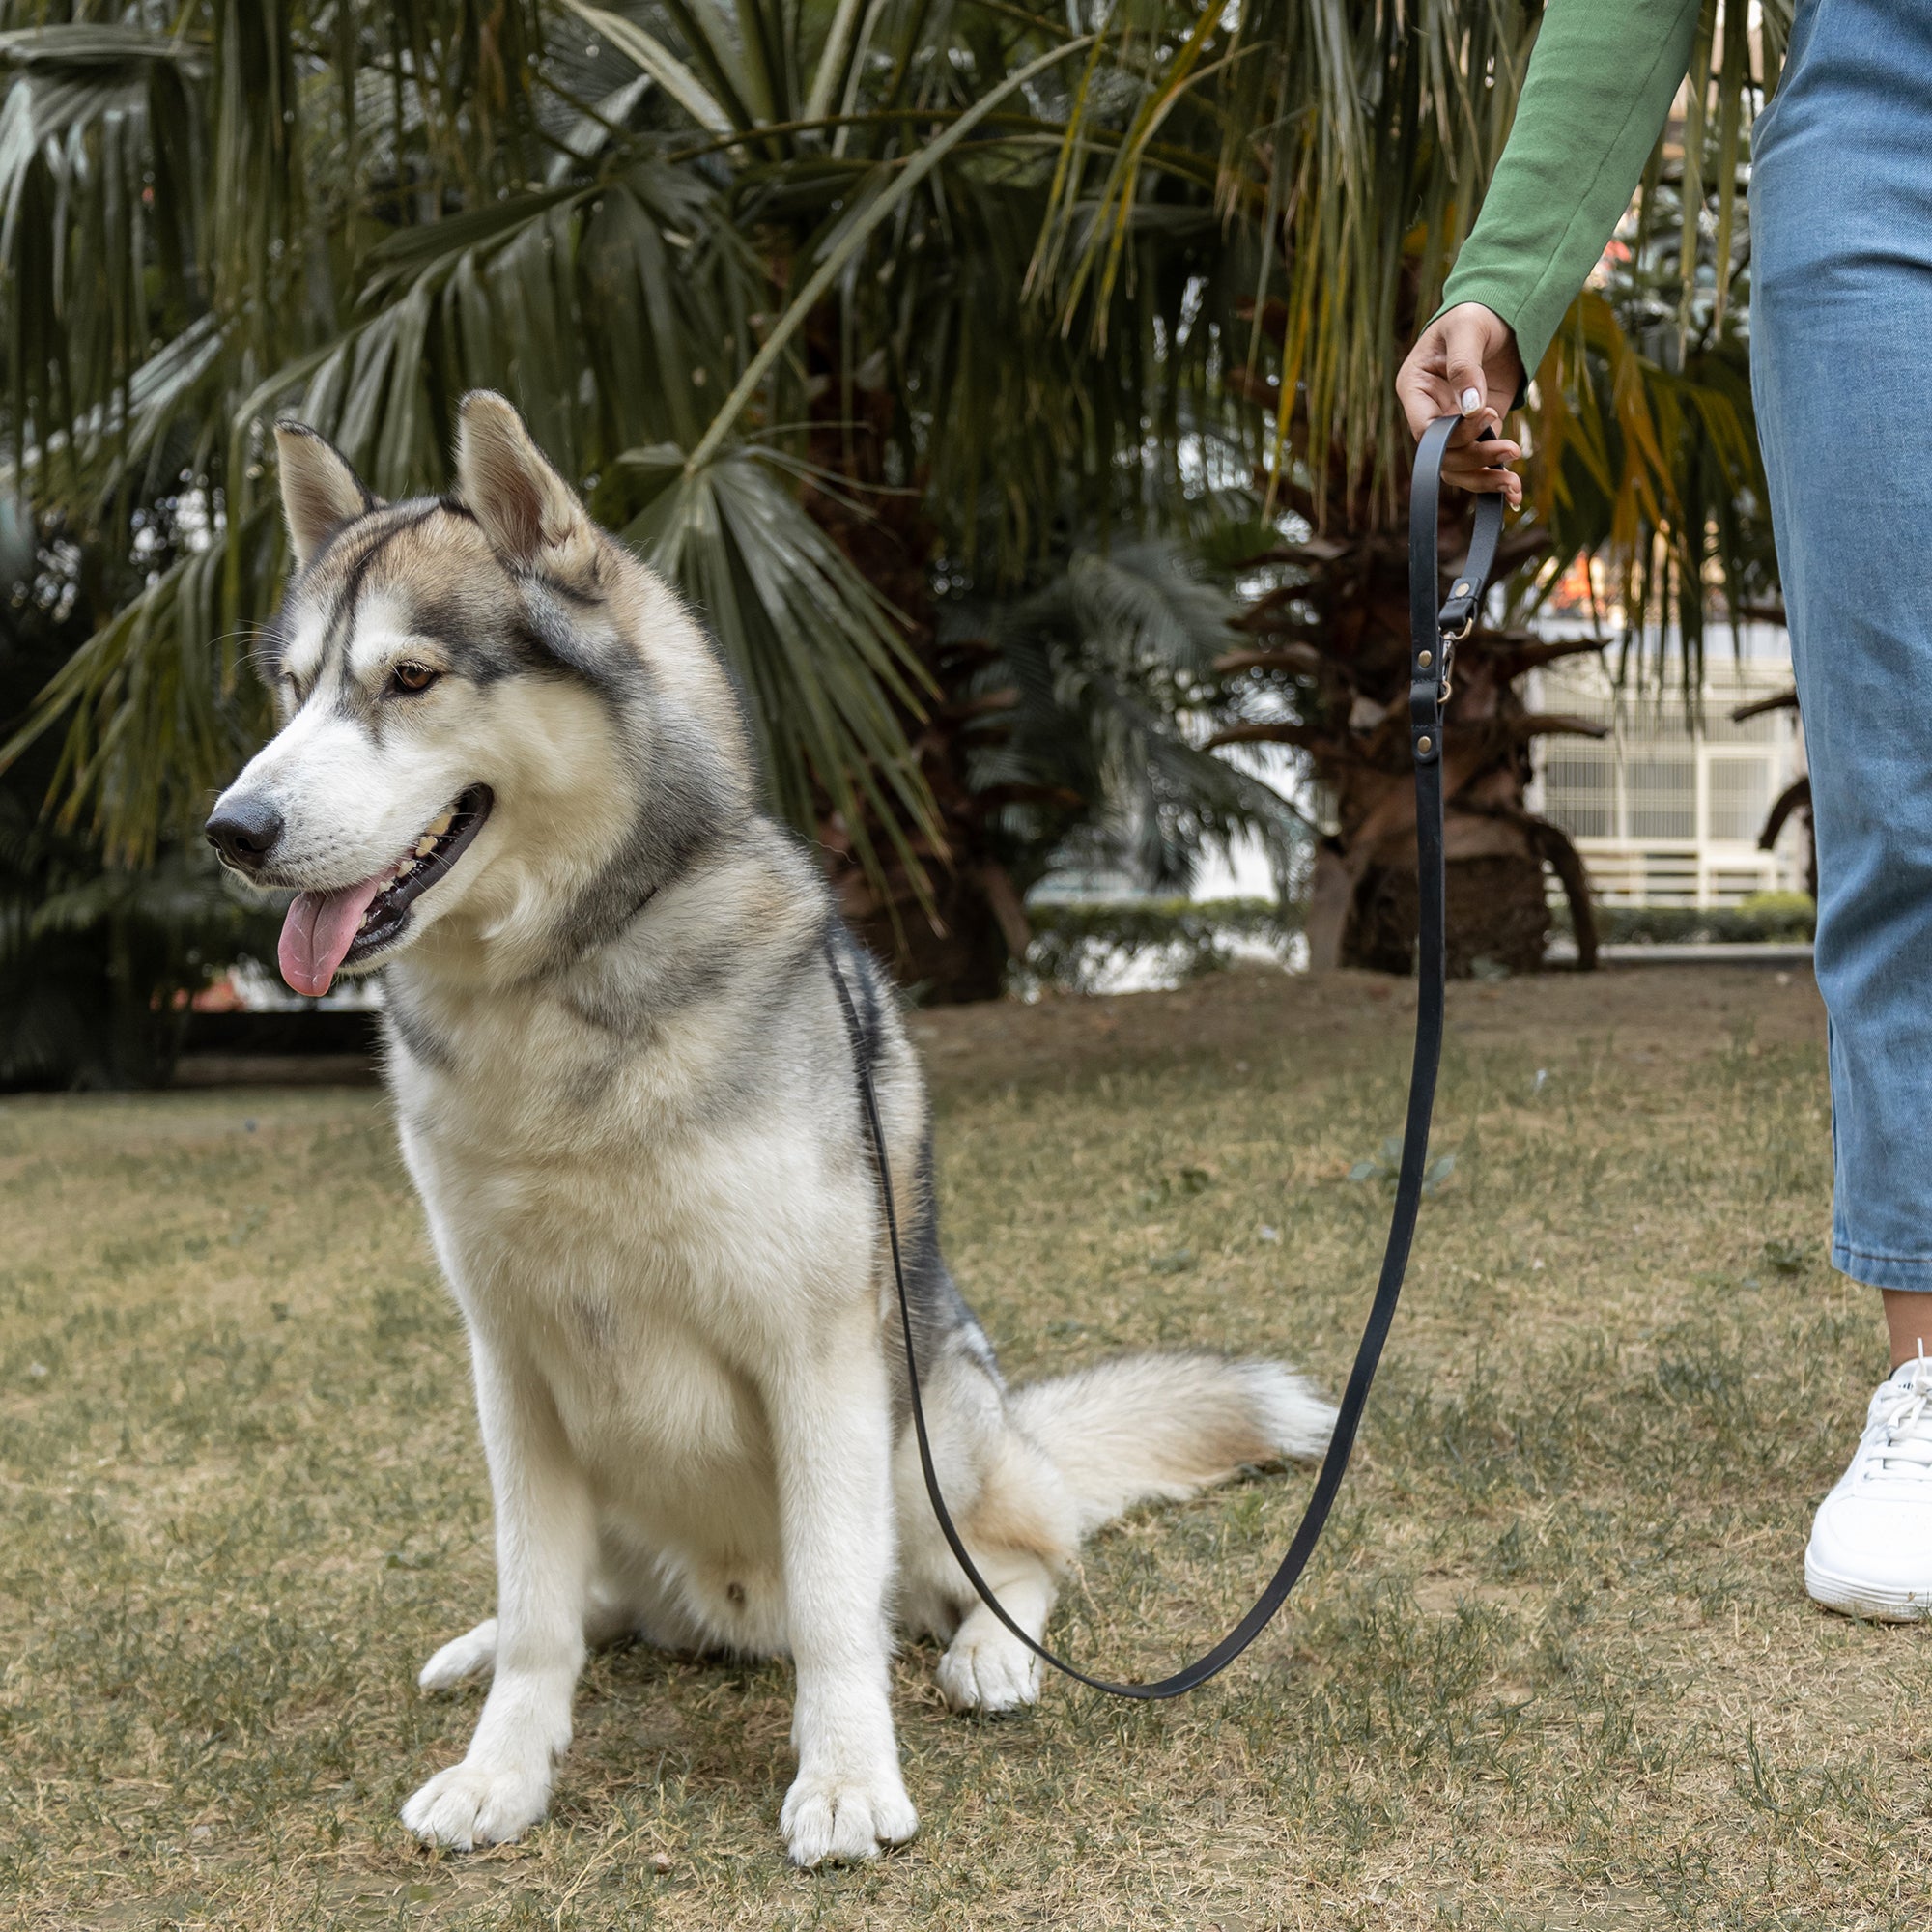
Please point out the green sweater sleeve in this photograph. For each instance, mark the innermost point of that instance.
(1601, 81)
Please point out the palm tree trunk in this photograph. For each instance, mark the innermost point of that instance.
(950, 938)
(1348, 671)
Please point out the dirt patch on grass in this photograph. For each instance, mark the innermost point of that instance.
(1553, 1666)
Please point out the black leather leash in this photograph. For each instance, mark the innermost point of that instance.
(1433, 635)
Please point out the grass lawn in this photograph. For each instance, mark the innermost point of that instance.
(1553, 1666)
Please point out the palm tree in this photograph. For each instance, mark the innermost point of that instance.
(918, 344)
(1358, 140)
(759, 278)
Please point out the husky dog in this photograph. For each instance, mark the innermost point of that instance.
(512, 773)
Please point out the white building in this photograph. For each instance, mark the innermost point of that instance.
(1666, 810)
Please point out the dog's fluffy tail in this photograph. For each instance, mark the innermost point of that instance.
(1167, 1426)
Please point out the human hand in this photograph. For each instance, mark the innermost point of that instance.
(1465, 363)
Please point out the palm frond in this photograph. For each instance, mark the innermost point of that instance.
(1103, 678)
(822, 664)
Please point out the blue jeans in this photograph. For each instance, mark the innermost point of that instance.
(1841, 369)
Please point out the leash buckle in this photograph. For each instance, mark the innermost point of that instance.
(1458, 616)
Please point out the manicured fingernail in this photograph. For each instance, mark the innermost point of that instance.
(1472, 401)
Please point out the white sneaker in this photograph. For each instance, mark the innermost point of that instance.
(1871, 1553)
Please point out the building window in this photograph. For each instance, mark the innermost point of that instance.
(1663, 796)
(1740, 798)
(1579, 788)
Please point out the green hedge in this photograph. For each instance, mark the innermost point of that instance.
(1763, 916)
(1075, 945)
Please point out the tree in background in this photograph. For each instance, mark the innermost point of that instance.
(96, 961)
(759, 278)
(1373, 132)
(919, 345)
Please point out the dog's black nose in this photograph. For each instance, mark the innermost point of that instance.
(245, 832)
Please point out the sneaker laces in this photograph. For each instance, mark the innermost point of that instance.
(1900, 1434)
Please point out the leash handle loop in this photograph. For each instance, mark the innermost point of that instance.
(1433, 632)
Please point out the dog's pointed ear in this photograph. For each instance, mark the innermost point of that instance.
(319, 492)
(507, 483)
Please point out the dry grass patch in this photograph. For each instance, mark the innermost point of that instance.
(1553, 1669)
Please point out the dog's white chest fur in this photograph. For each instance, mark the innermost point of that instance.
(635, 1259)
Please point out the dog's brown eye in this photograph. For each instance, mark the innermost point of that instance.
(412, 677)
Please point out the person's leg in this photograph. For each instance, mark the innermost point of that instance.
(1908, 1318)
(1841, 344)
(1841, 351)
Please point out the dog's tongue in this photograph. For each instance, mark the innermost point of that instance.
(319, 930)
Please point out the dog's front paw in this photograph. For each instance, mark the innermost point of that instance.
(827, 1816)
(469, 1805)
(990, 1673)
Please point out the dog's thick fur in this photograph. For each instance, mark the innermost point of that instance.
(625, 1091)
